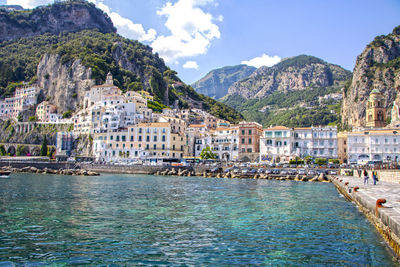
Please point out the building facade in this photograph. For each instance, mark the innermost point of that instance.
(373, 145)
(282, 143)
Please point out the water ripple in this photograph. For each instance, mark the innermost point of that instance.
(124, 220)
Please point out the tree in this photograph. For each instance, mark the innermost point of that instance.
(207, 153)
(3, 151)
(21, 150)
(320, 161)
(308, 159)
(43, 149)
(32, 119)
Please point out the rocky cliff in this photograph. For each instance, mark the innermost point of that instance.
(378, 67)
(70, 16)
(296, 73)
(63, 85)
(217, 82)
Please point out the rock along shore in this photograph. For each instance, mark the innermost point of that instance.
(380, 203)
(31, 169)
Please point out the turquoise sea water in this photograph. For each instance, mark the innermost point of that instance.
(130, 220)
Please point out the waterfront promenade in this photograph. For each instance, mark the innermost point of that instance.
(380, 203)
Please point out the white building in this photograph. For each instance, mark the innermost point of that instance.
(23, 98)
(286, 143)
(224, 142)
(373, 145)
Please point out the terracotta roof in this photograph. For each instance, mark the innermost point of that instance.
(278, 128)
(197, 126)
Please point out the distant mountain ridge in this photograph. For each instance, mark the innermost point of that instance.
(298, 91)
(295, 73)
(216, 83)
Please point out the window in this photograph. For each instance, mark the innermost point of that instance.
(249, 132)
(249, 150)
(140, 130)
(111, 137)
(140, 138)
(163, 138)
(155, 138)
(155, 146)
(242, 140)
(242, 132)
(131, 138)
(163, 147)
(123, 138)
(147, 146)
(147, 138)
(250, 141)
(117, 138)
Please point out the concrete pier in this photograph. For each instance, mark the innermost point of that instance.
(380, 203)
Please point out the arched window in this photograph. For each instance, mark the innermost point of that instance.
(380, 116)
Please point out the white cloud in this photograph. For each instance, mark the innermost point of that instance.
(125, 26)
(191, 65)
(29, 3)
(192, 30)
(263, 60)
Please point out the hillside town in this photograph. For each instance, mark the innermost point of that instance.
(123, 129)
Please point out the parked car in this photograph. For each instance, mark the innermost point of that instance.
(236, 170)
(292, 172)
(267, 171)
(284, 172)
(292, 165)
(216, 170)
(252, 171)
(302, 172)
(261, 170)
(333, 172)
(276, 171)
(245, 171)
(228, 170)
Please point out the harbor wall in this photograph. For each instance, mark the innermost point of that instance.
(377, 205)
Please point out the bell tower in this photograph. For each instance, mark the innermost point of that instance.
(376, 111)
(109, 79)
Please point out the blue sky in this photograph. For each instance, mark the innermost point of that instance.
(195, 36)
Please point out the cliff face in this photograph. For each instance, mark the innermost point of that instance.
(71, 16)
(216, 83)
(297, 73)
(377, 67)
(65, 85)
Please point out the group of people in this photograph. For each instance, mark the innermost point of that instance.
(364, 173)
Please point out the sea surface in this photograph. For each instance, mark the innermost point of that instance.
(130, 220)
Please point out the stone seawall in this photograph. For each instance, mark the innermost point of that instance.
(380, 203)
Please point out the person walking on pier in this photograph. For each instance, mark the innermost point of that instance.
(374, 176)
(365, 174)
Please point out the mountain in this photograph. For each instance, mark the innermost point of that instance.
(298, 91)
(66, 60)
(216, 83)
(68, 16)
(377, 67)
(295, 73)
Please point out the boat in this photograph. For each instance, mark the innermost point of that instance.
(5, 174)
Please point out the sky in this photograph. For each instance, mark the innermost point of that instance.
(196, 36)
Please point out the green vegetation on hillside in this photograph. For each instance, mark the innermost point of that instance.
(101, 52)
(281, 108)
